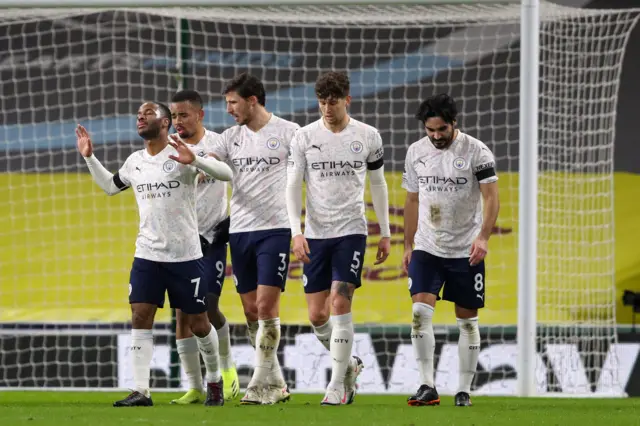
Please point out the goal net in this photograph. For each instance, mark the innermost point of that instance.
(67, 248)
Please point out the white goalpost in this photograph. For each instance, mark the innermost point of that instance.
(528, 196)
(537, 82)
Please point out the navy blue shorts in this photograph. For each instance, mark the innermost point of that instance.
(215, 265)
(260, 257)
(463, 284)
(334, 259)
(183, 281)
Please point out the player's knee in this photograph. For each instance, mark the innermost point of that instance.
(249, 305)
(142, 315)
(200, 325)
(215, 316)
(340, 305)
(267, 309)
(464, 313)
(251, 315)
(318, 315)
(268, 302)
(426, 298)
(341, 296)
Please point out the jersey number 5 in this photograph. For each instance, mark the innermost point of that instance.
(356, 263)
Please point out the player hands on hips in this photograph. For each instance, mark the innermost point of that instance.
(168, 257)
(259, 233)
(333, 155)
(448, 176)
(213, 226)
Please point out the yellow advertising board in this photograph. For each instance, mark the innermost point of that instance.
(66, 250)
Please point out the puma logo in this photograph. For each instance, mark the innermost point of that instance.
(316, 147)
(201, 301)
(480, 296)
(138, 169)
(236, 144)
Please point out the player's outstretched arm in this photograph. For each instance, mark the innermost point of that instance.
(210, 165)
(490, 209)
(380, 200)
(111, 184)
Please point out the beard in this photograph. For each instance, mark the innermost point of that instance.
(186, 134)
(150, 132)
(443, 143)
(244, 120)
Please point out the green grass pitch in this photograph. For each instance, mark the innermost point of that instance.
(94, 408)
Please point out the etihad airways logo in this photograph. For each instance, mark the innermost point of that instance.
(156, 189)
(442, 183)
(337, 168)
(255, 164)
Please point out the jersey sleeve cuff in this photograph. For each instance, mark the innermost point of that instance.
(385, 231)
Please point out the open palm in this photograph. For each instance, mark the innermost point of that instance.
(85, 147)
(185, 155)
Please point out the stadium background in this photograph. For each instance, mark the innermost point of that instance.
(75, 266)
(66, 248)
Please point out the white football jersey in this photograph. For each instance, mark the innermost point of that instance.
(211, 204)
(165, 191)
(259, 164)
(450, 203)
(335, 168)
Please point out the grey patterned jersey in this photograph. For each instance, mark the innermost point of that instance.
(448, 186)
(335, 168)
(259, 164)
(165, 191)
(211, 204)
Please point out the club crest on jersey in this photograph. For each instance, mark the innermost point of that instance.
(459, 163)
(169, 166)
(356, 147)
(273, 143)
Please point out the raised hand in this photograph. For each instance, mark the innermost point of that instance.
(85, 147)
(185, 155)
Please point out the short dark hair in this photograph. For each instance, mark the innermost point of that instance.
(188, 96)
(247, 85)
(332, 84)
(166, 112)
(441, 105)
